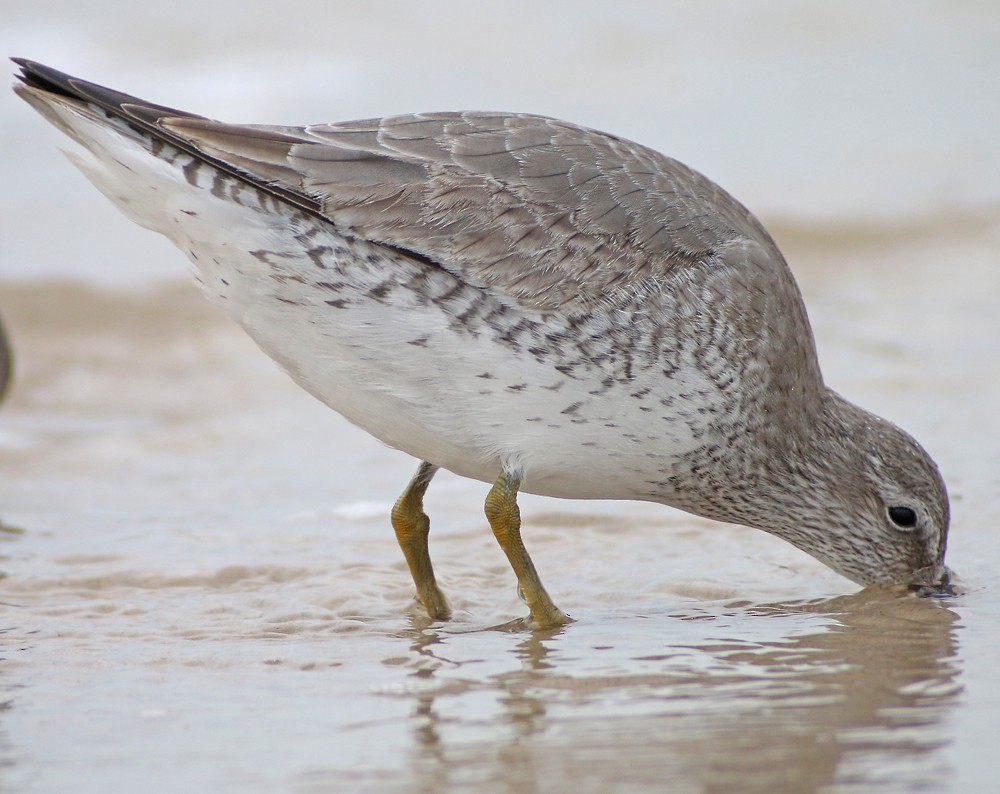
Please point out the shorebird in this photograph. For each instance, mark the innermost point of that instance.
(525, 302)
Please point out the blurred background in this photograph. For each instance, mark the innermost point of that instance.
(879, 115)
(199, 585)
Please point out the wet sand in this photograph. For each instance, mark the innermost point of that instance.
(202, 591)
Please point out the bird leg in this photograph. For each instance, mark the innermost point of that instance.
(505, 518)
(412, 527)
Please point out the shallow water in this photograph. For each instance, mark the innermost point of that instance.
(201, 591)
(205, 593)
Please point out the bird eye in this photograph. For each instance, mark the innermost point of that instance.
(903, 517)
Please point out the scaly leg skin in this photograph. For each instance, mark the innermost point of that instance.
(505, 518)
(412, 527)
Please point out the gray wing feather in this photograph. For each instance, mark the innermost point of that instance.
(545, 212)
(550, 214)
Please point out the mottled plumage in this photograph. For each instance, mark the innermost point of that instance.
(520, 299)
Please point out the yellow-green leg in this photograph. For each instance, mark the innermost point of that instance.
(505, 518)
(412, 527)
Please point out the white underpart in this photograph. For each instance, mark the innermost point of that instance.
(430, 401)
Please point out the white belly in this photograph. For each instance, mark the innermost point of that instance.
(405, 369)
(408, 353)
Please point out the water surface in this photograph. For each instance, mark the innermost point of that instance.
(201, 584)
(201, 591)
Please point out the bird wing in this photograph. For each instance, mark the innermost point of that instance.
(548, 213)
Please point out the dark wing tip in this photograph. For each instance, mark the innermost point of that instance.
(157, 121)
(45, 78)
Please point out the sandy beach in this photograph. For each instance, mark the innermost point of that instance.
(201, 591)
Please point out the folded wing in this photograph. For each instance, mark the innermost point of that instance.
(548, 213)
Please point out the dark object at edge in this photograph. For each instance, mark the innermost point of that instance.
(6, 363)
